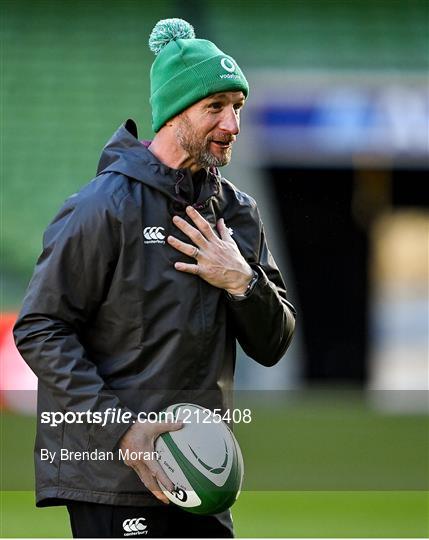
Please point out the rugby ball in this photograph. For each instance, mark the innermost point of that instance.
(203, 460)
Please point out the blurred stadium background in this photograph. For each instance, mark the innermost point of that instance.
(334, 147)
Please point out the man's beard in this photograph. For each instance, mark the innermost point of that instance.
(199, 149)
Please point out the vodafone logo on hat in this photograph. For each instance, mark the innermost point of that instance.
(227, 64)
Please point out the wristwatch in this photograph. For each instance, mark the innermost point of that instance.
(249, 289)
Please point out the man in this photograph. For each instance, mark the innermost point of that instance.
(147, 277)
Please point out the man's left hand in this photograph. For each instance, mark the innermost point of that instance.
(219, 261)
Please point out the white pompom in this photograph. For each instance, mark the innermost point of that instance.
(168, 30)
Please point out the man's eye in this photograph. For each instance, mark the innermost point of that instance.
(217, 106)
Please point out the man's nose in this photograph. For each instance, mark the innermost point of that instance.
(230, 121)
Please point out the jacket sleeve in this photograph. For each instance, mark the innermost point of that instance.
(264, 321)
(69, 282)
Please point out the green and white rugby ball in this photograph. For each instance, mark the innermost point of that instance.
(203, 460)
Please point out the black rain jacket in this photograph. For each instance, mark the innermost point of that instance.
(107, 321)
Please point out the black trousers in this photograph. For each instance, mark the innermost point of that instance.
(91, 520)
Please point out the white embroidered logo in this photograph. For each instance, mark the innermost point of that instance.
(227, 64)
(134, 526)
(154, 235)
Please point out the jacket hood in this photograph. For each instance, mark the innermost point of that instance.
(125, 154)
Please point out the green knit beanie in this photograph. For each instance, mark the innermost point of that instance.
(187, 70)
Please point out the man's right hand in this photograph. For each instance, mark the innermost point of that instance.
(141, 438)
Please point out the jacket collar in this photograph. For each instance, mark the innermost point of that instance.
(125, 154)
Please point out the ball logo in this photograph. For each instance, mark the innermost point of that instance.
(216, 469)
(227, 64)
(154, 235)
(134, 526)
